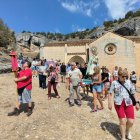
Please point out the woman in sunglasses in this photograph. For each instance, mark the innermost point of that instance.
(123, 103)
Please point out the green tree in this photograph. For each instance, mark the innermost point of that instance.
(6, 35)
(81, 36)
(59, 36)
(137, 13)
(73, 35)
(108, 24)
(120, 20)
(129, 14)
(115, 21)
(50, 35)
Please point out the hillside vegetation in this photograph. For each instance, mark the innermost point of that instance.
(7, 36)
(88, 33)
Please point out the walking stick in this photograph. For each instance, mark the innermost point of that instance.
(14, 64)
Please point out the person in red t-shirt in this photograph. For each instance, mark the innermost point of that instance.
(24, 86)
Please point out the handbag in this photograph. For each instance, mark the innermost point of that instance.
(130, 95)
(52, 80)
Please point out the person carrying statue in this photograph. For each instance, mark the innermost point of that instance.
(93, 61)
(24, 87)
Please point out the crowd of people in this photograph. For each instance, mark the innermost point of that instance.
(103, 84)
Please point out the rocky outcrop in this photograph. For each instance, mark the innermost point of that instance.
(26, 39)
(5, 65)
(130, 27)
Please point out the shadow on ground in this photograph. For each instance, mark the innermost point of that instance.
(112, 128)
(24, 107)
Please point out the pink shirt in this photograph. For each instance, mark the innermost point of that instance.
(53, 74)
(28, 73)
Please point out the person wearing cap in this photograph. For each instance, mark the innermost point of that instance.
(24, 86)
(123, 103)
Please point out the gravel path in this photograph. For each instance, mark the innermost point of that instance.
(54, 119)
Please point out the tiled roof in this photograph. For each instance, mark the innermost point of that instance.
(69, 43)
(133, 37)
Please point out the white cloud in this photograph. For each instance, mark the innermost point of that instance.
(80, 6)
(118, 8)
(76, 28)
(70, 7)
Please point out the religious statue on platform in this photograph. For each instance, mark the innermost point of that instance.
(93, 61)
(14, 61)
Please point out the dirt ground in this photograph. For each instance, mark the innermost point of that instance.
(54, 119)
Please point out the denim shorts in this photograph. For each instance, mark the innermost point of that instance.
(34, 68)
(102, 85)
(25, 96)
(97, 88)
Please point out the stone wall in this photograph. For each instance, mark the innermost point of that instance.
(55, 53)
(137, 57)
(63, 53)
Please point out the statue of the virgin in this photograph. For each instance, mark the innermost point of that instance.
(93, 61)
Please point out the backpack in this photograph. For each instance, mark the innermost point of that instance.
(52, 80)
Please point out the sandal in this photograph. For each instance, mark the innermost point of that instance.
(57, 96)
(101, 108)
(93, 110)
(49, 98)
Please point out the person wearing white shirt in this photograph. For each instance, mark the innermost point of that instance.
(123, 102)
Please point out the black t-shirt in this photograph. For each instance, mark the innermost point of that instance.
(83, 70)
(63, 68)
(105, 75)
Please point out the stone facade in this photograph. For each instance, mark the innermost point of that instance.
(113, 50)
(121, 54)
(66, 51)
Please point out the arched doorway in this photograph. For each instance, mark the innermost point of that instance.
(78, 59)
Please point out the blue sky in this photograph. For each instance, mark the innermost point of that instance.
(62, 16)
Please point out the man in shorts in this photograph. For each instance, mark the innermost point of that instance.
(24, 86)
(74, 78)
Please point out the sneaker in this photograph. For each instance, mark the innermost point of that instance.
(71, 104)
(15, 112)
(29, 112)
(57, 96)
(78, 103)
(129, 136)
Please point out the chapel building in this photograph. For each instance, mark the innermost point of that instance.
(113, 50)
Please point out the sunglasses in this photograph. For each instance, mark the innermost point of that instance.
(124, 76)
